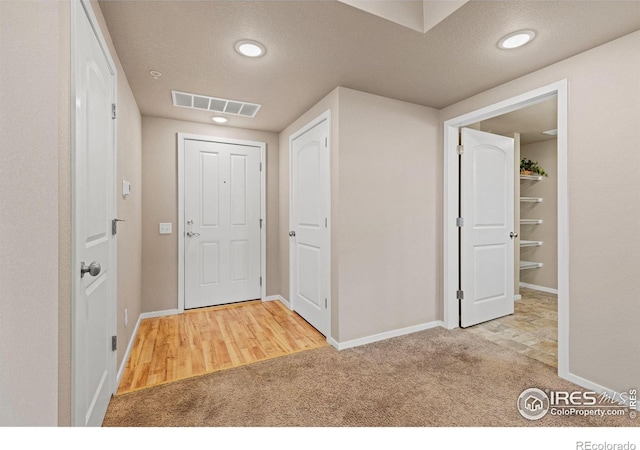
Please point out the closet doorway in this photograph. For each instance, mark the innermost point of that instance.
(532, 329)
(537, 123)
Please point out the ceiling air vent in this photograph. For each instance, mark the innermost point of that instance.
(219, 105)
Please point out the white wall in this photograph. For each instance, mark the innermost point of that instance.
(29, 211)
(388, 241)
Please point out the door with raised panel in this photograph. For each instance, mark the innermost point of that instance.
(94, 268)
(309, 235)
(487, 234)
(222, 223)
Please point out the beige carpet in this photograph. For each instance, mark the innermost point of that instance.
(431, 378)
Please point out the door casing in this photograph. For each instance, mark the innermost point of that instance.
(451, 196)
(261, 146)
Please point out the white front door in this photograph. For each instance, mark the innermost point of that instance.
(309, 235)
(486, 248)
(222, 223)
(94, 269)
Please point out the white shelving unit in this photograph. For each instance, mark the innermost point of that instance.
(526, 265)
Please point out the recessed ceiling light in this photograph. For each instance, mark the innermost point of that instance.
(517, 39)
(551, 132)
(155, 74)
(219, 119)
(251, 49)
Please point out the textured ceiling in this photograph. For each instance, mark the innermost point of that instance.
(314, 46)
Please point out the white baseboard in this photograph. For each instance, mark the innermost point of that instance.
(517, 297)
(382, 336)
(590, 385)
(166, 312)
(539, 288)
(280, 298)
(128, 351)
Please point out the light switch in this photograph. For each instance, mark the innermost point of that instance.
(165, 228)
(126, 188)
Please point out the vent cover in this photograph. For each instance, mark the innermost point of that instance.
(219, 105)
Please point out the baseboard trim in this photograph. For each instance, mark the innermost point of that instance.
(382, 336)
(595, 387)
(535, 287)
(280, 298)
(166, 312)
(127, 353)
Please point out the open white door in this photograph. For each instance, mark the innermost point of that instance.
(487, 237)
(309, 224)
(94, 269)
(222, 223)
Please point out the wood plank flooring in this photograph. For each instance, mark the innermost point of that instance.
(206, 340)
(532, 330)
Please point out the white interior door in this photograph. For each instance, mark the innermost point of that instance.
(222, 223)
(94, 362)
(486, 249)
(309, 235)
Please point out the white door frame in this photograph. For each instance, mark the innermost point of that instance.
(450, 206)
(263, 205)
(322, 117)
(77, 8)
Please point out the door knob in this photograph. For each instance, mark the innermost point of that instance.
(292, 233)
(93, 269)
(192, 234)
(513, 235)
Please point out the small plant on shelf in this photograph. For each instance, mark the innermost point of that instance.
(528, 167)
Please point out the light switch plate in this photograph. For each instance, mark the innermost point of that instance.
(165, 228)
(126, 188)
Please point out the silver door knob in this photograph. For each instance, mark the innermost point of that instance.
(513, 235)
(192, 234)
(92, 269)
(292, 233)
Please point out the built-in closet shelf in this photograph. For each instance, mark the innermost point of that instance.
(529, 265)
(530, 221)
(531, 199)
(531, 177)
(530, 243)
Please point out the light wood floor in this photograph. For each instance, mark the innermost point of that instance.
(532, 330)
(206, 340)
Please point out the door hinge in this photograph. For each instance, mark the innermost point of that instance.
(326, 223)
(460, 294)
(114, 226)
(260, 281)
(260, 223)
(325, 304)
(459, 222)
(260, 167)
(460, 149)
(113, 110)
(114, 343)
(326, 142)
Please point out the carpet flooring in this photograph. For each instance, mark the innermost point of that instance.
(435, 377)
